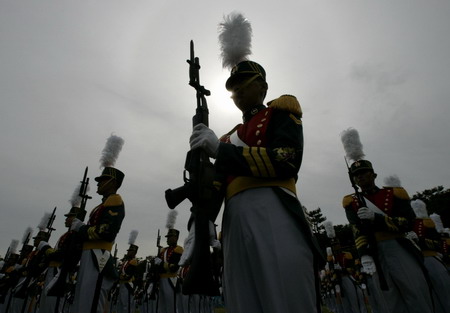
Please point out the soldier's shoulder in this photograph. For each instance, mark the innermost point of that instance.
(179, 249)
(399, 192)
(114, 200)
(286, 103)
(347, 200)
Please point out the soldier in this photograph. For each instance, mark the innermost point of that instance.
(9, 274)
(52, 299)
(257, 164)
(429, 241)
(169, 296)
(97, 271)
(96, 274)
(343, 265)
(25, 292)
(125, 301)
(379, 229)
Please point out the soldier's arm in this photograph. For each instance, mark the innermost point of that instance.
(360, 234)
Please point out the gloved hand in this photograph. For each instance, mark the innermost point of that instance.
(338, 288)
(42, 245)
(157, 261)
(205, 138)
(412, 236)
(337, 266)
(213, 242)
(368, 264)
(365, 213)
(76, 225)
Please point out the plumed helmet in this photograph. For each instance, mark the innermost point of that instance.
(111, 172)
(360, 165)
(173, 232)
(245, 69)
(133, 248)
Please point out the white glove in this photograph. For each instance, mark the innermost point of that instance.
(213, 242)
(329, 251)
(42, 245)
(366, 214)
(368, 264)
(76, 225)
(412, 236)
(337, 266)
(157, 261)
(205, 138)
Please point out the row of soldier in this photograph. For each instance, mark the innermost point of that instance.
(406, 268)
(271, 260)
(79, 274)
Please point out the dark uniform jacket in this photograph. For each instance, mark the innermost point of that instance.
(398, 219)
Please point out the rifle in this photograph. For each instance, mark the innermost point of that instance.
(198, 188)
(83, 194)
(158, 243)
(50, 222)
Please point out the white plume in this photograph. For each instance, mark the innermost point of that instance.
(111, 151)
(75, 200)
(235, 37)
(329, 229)
(392, 181)
(133, 235)
(420, 208)
(13, 246)
(171, 219)
(352, 144)
(44, 221)
(438, 222)
(28, 231)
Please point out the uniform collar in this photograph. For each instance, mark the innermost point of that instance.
(252, 112)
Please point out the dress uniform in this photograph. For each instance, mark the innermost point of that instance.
(169, 295)
(65, 251)
(429, 240)
(97, 273)
(126, 302)
(379, 236)
(257, 164)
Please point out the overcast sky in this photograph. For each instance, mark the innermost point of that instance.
(74, 72)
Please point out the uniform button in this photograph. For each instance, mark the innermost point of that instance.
(263, 120)
(258, 142)
(257, 132)
(259, 125)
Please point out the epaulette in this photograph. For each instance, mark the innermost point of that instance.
(133, 262)
(113, 200)
(348, 199)
(400, 193)
(178, 249)
(287, 103)
(348, 255)
(428, 223)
